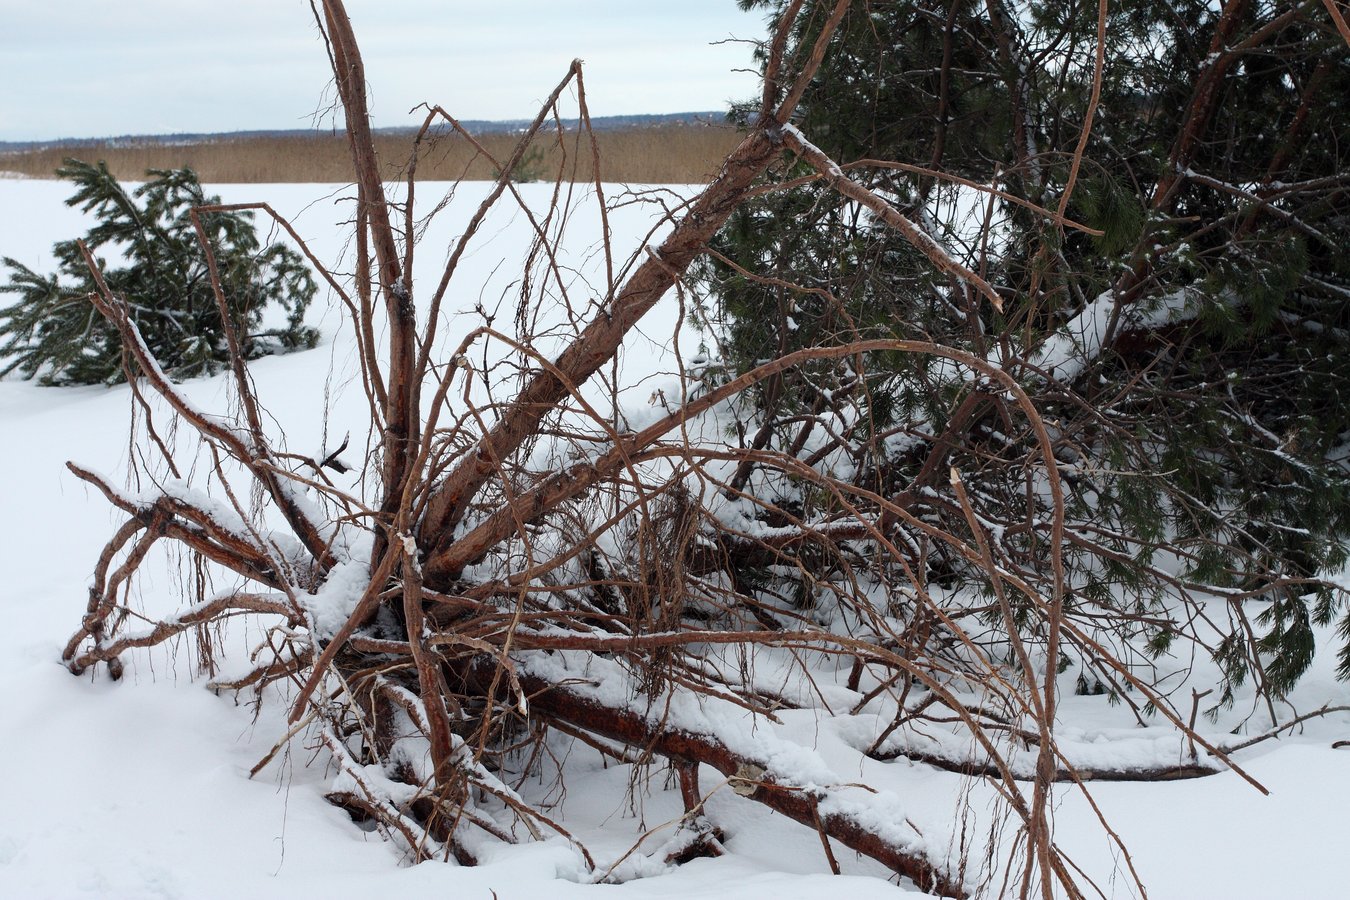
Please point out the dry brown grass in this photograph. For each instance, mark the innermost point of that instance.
(670, 154)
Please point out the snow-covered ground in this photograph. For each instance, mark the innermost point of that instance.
(141, 788)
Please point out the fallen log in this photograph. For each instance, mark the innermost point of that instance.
(579, 707)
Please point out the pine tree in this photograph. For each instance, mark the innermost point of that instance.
(1193, 354)
(53, 333)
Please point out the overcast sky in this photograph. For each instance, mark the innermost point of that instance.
(96, 68)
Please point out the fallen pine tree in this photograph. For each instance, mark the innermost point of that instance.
(538, 564)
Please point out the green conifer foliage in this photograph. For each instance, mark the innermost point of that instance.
(1204, 449)
(151, 257)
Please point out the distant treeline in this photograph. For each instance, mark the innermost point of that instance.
(681, 152)
(473, 126)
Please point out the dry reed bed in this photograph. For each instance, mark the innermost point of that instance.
(672, 154)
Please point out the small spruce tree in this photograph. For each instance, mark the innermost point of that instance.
(53, 333)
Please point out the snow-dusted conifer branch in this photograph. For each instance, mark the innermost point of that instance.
(834, 176)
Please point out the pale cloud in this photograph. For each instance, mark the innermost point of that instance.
(86, 68)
